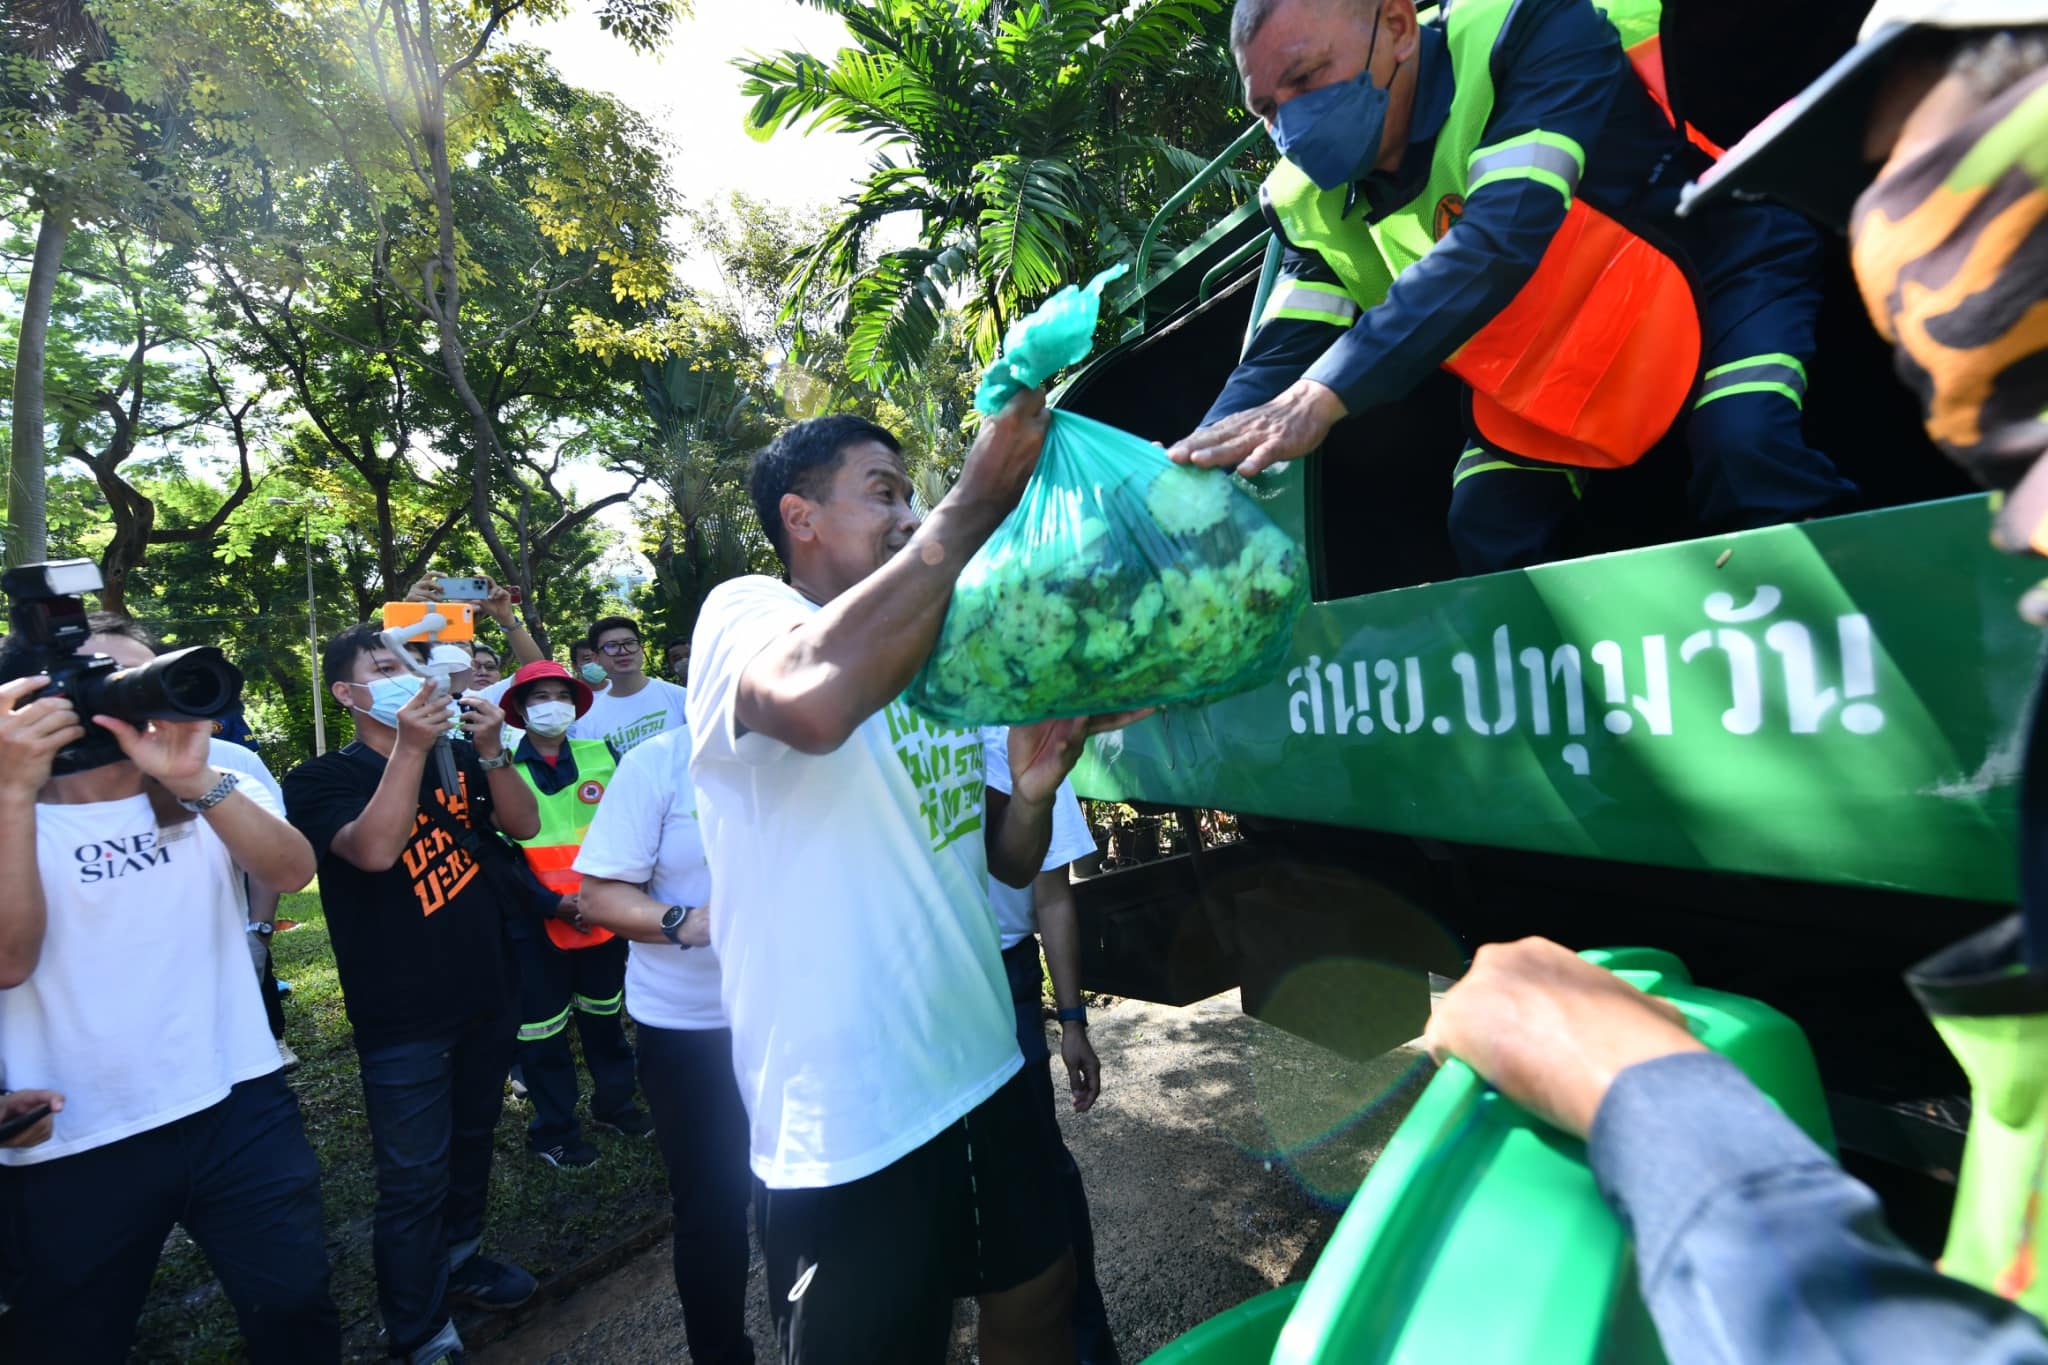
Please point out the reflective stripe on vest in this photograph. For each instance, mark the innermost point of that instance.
(1547, 158)
(1776, 373)
(607, 1006)
(1312, 301)
(565, 818)
(1597, 355)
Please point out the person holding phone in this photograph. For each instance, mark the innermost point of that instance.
(417, 917)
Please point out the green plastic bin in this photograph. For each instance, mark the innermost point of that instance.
(1480, 1236)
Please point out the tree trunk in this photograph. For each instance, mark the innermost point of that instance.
(28, 530)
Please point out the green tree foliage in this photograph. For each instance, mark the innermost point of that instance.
(1032, 142)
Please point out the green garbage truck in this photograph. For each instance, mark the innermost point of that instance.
(1788, 755)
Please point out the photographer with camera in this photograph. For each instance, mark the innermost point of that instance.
(417, 921)
(126, 999)
(131, 645)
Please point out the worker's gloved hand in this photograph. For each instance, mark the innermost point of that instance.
(1287, 428)
(1550, 1030)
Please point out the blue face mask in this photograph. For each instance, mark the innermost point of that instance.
(1333, 134)
(388, 696)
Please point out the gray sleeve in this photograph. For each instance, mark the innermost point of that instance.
(1753, 1246)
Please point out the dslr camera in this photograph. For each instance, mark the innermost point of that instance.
(49, 624)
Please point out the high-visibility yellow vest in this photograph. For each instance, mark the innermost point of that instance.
(565, 818)
(1597, 355)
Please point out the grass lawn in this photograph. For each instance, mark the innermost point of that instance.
(545, 1219)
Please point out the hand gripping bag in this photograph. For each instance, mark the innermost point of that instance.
(1120, 580)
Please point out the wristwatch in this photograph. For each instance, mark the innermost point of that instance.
(219, 792)
(1077, 1015)
(672, 924)
(500, 760)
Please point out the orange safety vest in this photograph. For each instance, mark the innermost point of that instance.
(1598, 354)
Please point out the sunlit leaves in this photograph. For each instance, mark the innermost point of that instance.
(1020, 137)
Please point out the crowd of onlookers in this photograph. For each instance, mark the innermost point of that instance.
(856, 1062)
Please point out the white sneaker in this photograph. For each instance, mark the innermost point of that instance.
(287, 1056)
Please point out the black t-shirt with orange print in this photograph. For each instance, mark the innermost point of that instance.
(421, 946)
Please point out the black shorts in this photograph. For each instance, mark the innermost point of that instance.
(867, 1272)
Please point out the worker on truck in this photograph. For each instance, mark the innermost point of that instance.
(1493, 192)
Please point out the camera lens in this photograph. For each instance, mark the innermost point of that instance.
(187, 684)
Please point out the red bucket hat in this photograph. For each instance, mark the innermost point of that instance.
(515, 706)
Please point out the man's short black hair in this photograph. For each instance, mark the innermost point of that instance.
(127, 627)
(605, 623)
(682, 640)
(801, 460)
(338, 660)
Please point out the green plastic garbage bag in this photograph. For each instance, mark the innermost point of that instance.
(1121, 580)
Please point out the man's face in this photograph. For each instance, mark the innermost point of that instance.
(678, 660)
(122, 650)
(370, 665)
(548, 689)
(484, 665)
(1305, 45)
(865, 516)
(618, 649)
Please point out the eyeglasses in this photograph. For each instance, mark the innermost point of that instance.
(618, 649)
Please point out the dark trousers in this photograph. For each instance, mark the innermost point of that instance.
(432, 1105)
(556, 984)
(1093, 1344)
(80, 1236)
(701, 1127)
(1757, 271)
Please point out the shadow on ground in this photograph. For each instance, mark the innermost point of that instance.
(1216, 1162)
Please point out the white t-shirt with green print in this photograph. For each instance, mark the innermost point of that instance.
(850, 912)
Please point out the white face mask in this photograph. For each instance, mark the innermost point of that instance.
(550, 718)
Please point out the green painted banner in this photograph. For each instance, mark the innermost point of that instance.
(1839, 701)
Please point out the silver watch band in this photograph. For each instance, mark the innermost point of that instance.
(219, 792)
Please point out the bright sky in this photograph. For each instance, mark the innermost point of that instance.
(691, 92)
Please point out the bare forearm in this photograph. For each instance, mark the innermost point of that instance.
(263, 904)
(22, 918)
(812, 688)
(632, 914)
(521, 640)
(1018, 834)
(374, 839)
(518, 814)
(1059, 929)
(276, 856)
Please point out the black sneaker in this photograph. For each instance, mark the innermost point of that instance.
(632, 1121)
(495, 1286)
(573, 1155)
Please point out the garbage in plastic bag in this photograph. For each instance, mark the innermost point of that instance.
(1120, 580)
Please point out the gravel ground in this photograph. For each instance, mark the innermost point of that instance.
(1215, 1161)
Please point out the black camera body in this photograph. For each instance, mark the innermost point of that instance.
(48, 614)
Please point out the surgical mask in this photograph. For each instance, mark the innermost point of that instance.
(593, 672)
(1333, 134)
(549, 718)
(388, 696)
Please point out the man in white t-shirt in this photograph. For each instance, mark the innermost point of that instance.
(125, 985)
(1024, 915)
(635, 708)
(645, 879)
(850, 842)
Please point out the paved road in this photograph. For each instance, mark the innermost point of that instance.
(1213, 1161)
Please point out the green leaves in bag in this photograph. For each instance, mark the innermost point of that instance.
(1121, 580)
